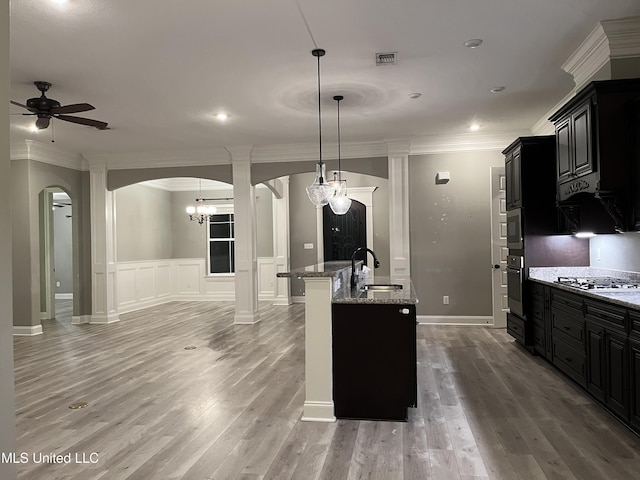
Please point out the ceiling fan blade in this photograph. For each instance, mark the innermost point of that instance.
(74, 108)
(19, 104)
(42, 122)
(84, 121)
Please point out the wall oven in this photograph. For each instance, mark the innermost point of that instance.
(514, 229)
(515, 284)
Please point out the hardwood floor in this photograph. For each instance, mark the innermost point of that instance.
(230, 408)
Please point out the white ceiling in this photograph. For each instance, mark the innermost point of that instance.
(158, 71)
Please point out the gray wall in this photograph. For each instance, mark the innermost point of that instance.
(303, 222)
(62, 249)
(450, 232)
(189, 238)
(143, 223)
(264, 221)
(28, 179)
(170, 233)
(7, 410)
(617, 252)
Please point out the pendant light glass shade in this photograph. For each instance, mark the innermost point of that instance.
(320, 191)
(340, 203)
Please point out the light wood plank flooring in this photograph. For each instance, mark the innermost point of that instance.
(230, 408)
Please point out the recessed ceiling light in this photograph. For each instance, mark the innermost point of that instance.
(498, 89)
(474, 127)
(415, 95)
(222, 116)
(473, 43)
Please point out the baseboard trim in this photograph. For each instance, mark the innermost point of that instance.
(318, 412)
(104, 319)
(299, 299)
(64, 296)
(459, 320)
(27, 331)
(246, 319)
(80, 319)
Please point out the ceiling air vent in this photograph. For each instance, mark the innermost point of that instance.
(389, 58)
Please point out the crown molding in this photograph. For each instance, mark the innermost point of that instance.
(45, 153)
(610, 40)
(589, 58)
(183, 158)
(624, 37)
(309, 152)
(465, 142)
(185, 184)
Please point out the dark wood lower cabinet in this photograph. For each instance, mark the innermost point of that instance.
(595, 343)
(595, 360)
(617, 373)
(374, 360)
(634, 377)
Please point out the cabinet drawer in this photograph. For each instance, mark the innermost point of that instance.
(567, 325)
(566, 301)
(569, 360)
(606, 313)
(516, 327)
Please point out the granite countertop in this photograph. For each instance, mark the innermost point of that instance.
(404, 296)
(623, 298)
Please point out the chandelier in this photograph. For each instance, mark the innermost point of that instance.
(320, 190)
(200, 212)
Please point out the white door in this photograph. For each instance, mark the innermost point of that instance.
(499, 250)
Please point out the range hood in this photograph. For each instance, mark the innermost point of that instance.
(593, 212)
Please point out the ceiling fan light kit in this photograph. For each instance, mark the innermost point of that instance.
(47, 108)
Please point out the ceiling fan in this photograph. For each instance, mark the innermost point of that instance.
(48, 108)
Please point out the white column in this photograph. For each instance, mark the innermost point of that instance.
(399, 253)
(282, 290)
(104, 304)
(246, 261)
(318, 403)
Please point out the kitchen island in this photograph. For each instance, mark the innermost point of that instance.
(327, 284)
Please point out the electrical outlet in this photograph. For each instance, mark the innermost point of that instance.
(308, 246)
(445, 300)
(57, 284)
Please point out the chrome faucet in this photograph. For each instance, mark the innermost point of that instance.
(376, 263)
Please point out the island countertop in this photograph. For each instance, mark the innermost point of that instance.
(406, 295)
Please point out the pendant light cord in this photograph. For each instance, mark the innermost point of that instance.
(319, 118)
(306, 24)
(339, 157)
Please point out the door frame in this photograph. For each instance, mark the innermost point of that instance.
(362, 194)
(499, 250)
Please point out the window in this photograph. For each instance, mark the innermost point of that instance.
(221, 243)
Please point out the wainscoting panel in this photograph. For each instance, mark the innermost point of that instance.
(146, 283)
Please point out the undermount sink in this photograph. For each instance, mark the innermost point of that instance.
(382, 287)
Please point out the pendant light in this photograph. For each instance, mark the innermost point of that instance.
(320, 190)
(339, 201)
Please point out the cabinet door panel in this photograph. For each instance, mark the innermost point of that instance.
(581, 119)
(595, 361)
(563, 150)
(634, 364)
(617, 376)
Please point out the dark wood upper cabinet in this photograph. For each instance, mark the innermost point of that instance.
(593, 141)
